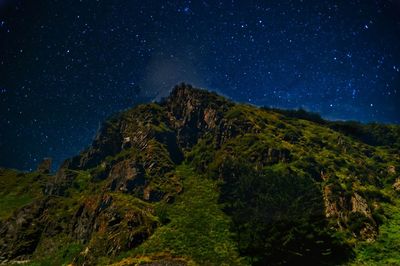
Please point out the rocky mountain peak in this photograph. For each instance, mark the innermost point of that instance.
(158, 167)
(186, 92)
(184, 97)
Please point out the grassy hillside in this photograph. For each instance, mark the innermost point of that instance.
(385, 249)
(199, 180)
(18, 189)
(195, 226)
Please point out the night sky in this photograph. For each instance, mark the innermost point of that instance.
(65, 66)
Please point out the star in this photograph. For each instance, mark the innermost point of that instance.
(64, 72)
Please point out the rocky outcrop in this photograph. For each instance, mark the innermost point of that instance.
(396, 185)
(346, 209)
(192, 112)
(45, 166)
(61, 181)
(20, 234)
(128, 177)
(391, 170)
(178, 122)
(108, 141)
(109, 225)
(84, 222)
(229, 129)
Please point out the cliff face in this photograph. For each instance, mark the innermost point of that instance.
(290, 189)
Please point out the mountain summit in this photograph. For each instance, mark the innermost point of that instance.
(197, 179)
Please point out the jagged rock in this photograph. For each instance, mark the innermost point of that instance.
(127, 176)
(369, 231)
(109, 226)
(20, 234)
(192, 112)
(126, 143)
(45, 166)
(396, 185)
(391, 169)
(61, 181)
(152, 195)
(229, 129)
(341, 206)
(359, 204)
(84, 221)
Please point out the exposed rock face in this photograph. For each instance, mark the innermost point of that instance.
(20, 234)
(62, 180)
(229, 129)
(185, 116)
(359, 204)
(194, 112)
(107, 142)
(84, 222)
(128, 177)
(392, 170)
(343, 207)
(45, 166)
(369, 229)
(109, 227)
(396, 185)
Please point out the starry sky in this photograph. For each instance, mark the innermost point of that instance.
(65, 66)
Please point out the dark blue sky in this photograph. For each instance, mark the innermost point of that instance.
(67, 65)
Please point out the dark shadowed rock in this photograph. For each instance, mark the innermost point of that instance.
(20, 234)
(45, 166)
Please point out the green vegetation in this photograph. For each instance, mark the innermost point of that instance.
(11, 202)
(17, 189)
(199, 180)
(278, 215)
(385, 250)
(197, 228)
(61, 254)
(372, 133)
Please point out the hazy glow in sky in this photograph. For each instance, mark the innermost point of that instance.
(67, 65)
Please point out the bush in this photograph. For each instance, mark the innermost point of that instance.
(275, 210)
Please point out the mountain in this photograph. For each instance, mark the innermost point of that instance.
(197, 179)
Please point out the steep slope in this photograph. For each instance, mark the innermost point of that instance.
(198, 179)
